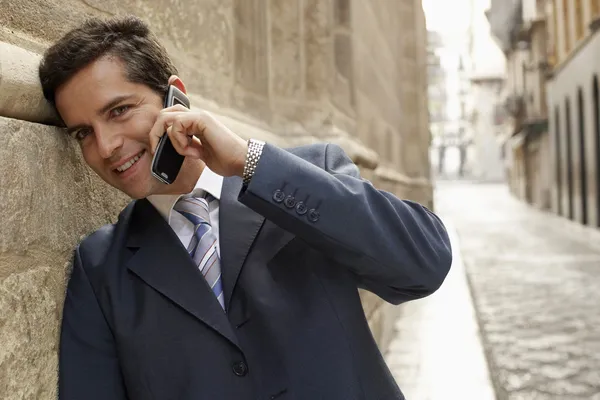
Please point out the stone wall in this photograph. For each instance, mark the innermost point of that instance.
(290, 72)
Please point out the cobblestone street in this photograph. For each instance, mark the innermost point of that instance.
(535, 279)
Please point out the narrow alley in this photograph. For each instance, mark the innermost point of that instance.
(533, 279)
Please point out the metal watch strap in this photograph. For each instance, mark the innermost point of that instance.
(255, 148)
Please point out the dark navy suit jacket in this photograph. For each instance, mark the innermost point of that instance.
(140, 322)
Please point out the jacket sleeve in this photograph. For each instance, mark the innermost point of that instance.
(397, 249)
(88, 364)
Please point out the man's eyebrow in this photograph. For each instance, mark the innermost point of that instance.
(114, 102)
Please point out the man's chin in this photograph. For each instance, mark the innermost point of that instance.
(139, 188)
(134, 193)
(141, 191)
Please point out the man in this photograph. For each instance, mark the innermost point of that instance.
(239, 280)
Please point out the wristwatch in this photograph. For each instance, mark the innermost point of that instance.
(255, 148)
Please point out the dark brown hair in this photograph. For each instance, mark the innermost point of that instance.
(127, 38)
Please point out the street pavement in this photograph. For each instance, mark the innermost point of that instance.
(535, 281)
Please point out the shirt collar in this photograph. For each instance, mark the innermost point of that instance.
(209, 182)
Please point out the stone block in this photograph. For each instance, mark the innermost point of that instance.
(50, 200)
(197, 34)
(20, 92)
(49, 196)
(30, 307)
(318, 31)
(287, 48)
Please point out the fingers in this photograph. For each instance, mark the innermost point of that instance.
(182, 127)
(181, 132)
(162, 123)
(176, 107)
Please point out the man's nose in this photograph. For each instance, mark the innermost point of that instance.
(108, 143)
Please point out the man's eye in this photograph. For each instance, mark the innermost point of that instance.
(117, 111)
(81, 134)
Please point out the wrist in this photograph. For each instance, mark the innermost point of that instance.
(241, 160)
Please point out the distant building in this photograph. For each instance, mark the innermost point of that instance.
(487, 124)
(437, 99)
(487, 82)
(520, 29)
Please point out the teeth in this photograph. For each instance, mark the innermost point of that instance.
(129, 163)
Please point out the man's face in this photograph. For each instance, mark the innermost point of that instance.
(111, 117)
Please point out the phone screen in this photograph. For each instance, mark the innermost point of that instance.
(169, 161)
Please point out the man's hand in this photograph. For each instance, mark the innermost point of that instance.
(199, 135)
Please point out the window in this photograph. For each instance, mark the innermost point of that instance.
(342, 13)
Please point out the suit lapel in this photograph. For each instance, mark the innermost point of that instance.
(162, 262)
(238, 227)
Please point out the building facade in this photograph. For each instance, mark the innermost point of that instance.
(488, 71)
(552, 47)
(289, 72)
(521, 30)
(486, 125)
(573, 104)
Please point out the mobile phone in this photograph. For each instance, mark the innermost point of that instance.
(167, 162)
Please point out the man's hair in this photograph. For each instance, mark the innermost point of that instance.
(127, 38)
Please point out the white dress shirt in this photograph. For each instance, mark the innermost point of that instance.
(209, 182)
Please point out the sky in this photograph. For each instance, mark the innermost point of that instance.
(452, 18)
(448, 16)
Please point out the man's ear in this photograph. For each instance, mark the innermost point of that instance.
(178, 83)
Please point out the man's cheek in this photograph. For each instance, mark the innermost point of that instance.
(93, 162)
(88, 156)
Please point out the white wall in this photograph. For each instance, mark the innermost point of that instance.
(488, 164)
(529, 8)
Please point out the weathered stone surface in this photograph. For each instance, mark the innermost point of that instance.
(319, 58)
(29, 316)
(197, 34)
(50, 199)
(20, 94)
(287, 49)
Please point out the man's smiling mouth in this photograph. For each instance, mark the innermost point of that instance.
(130, 163)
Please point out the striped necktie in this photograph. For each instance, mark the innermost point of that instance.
(203, 246)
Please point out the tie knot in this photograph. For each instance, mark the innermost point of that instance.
(194, 208)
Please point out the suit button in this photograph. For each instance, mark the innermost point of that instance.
(278, 196)
(290, 201)
(313, 215)
(240, 368)
(301, 208)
